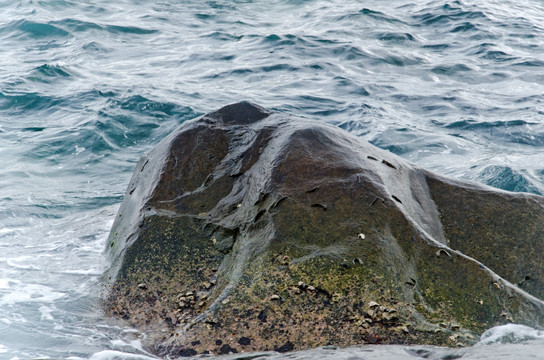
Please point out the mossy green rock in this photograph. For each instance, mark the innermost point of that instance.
(248, 230)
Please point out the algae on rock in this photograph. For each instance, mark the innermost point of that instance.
(248, 230)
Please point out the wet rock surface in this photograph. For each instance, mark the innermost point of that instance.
(248, 230)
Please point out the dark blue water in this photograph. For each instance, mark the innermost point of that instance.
(87, 86)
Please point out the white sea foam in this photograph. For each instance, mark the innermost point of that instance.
(8, 231)
(510, 334)
(24, 293)
(128, 345)
(7, 283)
(96, 271)
(24, 262)
(46, 312)
(119, 355)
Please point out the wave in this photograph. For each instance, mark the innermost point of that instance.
(370, 14)
(451, 13)
(48, 73)
(396, 37)
(119, 122)
(510, 334)
(470, 124)
(65, 28)
(16, 103)
(33, 30)
(506, 178)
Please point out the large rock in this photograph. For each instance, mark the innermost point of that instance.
(250, 230)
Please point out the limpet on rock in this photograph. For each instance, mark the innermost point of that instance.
(357, 261)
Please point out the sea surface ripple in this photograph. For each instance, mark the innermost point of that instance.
(86, 87)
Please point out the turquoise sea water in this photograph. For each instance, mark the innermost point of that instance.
(87, 86)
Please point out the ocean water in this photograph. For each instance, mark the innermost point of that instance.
(86, 87)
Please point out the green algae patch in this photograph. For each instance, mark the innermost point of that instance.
(173, 257)
(502, 230)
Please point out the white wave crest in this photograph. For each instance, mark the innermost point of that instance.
(510, 334)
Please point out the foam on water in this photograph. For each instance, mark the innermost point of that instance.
(510, 334)
(52, 294)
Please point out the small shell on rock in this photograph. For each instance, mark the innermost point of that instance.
(404, 329)
(506, 316)
(238, 206)
(442, 251)
(285, 260)
(361, 236)
(301, 284)
(214, 241)
(310, 288)
(389, 317)
(274, 297)
(142, 286)
(497, 285)
(225, 302)
(373, 304)
(480, 301)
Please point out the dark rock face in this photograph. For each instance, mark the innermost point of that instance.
(249, 230)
